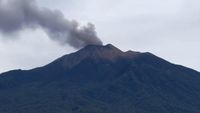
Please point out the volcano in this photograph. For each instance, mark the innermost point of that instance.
(102, 79)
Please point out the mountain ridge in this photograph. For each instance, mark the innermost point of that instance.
(126, 54)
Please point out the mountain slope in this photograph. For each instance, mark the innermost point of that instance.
(102, 79)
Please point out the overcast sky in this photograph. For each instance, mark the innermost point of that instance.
(167, 28)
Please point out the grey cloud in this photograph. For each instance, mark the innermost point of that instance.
(20, 14)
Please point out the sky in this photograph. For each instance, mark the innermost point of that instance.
(167, 28)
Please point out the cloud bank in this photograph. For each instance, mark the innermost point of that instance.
(16, 15)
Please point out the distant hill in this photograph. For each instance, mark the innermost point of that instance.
(102, 79)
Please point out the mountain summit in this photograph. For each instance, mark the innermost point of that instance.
(95, 52)
(102, 79)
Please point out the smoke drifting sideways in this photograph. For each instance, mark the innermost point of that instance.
(16, 15)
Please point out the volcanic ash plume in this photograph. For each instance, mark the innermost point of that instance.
(16, 15)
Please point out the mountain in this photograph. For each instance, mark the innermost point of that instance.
(102, 79)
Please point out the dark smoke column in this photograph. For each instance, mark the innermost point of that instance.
(16, 15)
